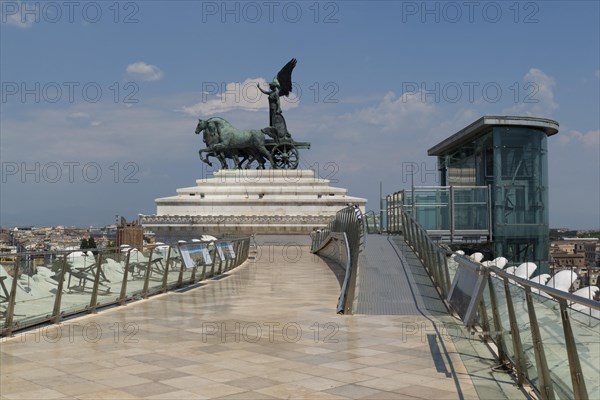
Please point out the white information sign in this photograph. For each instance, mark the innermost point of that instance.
(195, 254)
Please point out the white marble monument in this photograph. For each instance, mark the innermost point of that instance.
(270, 201)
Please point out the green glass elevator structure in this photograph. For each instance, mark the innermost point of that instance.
(509, 155)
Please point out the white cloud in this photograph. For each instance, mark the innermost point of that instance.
(394, 113)
(145, 72)
(538, 97)
(589, 139)
(78, 115)
(236, 96)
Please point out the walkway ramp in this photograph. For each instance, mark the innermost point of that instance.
(385, 284)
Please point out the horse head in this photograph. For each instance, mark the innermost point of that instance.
(201, 126)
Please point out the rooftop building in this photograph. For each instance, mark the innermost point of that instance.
(510, 156)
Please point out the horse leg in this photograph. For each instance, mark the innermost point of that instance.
(204, 159)
(265, 153)
(250, 159)
(236, 160)
(223, 161)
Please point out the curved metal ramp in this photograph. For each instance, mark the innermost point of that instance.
(389, 282)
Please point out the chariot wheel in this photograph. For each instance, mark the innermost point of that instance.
(285, 156)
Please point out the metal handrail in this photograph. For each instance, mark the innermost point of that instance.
(555, 293)
(349, 221)
(121, 295)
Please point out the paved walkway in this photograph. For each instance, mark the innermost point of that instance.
(268, 330)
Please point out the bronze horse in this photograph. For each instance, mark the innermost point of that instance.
(225, 141)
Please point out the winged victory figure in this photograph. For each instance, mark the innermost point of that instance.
(281, 86)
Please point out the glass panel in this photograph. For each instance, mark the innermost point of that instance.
(187, 272)
(138, 265)
(432, 208)
(157, 267)
(7, 268)
(35, 290)
(175, 265)
(112, 273)
(78, 280)
(470, 208)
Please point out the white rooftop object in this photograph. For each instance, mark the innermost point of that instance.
(511, 270)
(562, 280)
(477, 257)
(541, 279)
(525, 270)
(500, 262)
(589, 292)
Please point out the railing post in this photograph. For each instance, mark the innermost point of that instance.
(452, 225)
(546, 389)
(420, 244)
(439, 260)
(579, 388)
(123, 295)
(180, 277)
(10, 311)
(446, 271)
(489, 207)
(485, 324)
(428, 257)
(56, 314)
(147, 275)
(516, 336)
(214, 260)
(166, 272)
(239, 253)
(94, 299)
(414, 233)
(221, 260)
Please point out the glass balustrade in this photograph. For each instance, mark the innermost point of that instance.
(47, 286)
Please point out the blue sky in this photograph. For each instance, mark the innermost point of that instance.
(100, 99)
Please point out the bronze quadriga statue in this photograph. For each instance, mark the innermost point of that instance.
(244, 147)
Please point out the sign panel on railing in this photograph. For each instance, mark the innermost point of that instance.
(195, 254)
(225, 250)
(467, 288)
